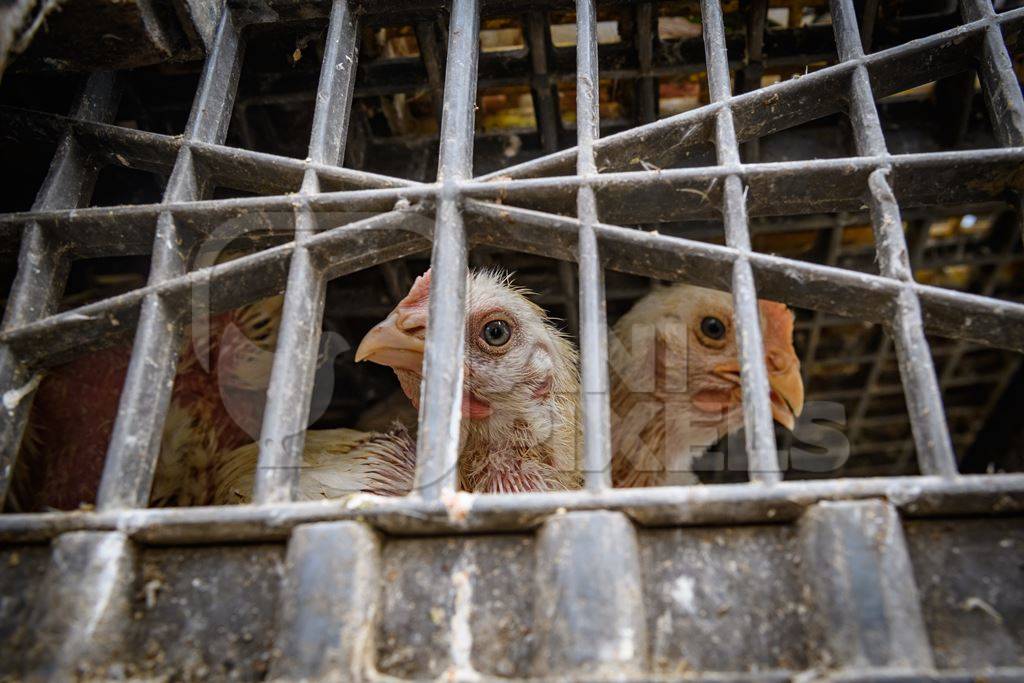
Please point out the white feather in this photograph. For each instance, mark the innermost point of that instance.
(335, 462)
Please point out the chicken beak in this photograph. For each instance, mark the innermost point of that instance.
(388, 344)
(728, 371)
(787, 391)
(787, 396)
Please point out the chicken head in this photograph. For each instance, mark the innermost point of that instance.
(520, 382)
(675, 375)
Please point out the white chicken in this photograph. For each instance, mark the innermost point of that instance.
(520, 394)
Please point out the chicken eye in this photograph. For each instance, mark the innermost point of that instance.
(496, 333)
(712, 327)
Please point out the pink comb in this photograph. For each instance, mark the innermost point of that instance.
(778, 323)
(418, 293)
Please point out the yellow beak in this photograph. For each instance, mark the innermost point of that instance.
(787, 390)
(787, 396)
(388, 344)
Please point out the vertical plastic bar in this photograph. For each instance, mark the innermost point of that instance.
(283, 434)
(334, 92)
(437, 447)
(763, 461)
(544, 105)
(998, 77)
(588, 608)
(135, 442)
(866, 611)
(1002, 92)
(43, 264)
(647, 92)
(83, 609)
(593, 319)
(327, 604)
(924, 399)
(749, 78)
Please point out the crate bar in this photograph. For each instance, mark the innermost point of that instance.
(328, 602)
(860, 588)
(545, 106)
(593, 320)
(203, 216)
(261, 172)
(83, 607)
(242, 169)
(437, 446)
(135, 441)
(235, 283)
(834, 245)
(433, 63)
(749, 78)
(43, 263)
(547, 115)
(996, 324)
(948, 377)
(991, 323)
(1002, 91)
(772, 174)
(647, 90)
(923, 395)
(868, 18)
(107, 142)
(725, 504)
(893, 260)
(589, 611)
(790, 105)
(839, 190)
(757, 413)
(883, 353)
(286, 415)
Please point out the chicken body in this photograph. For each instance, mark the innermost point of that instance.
(675, 381)
(520, 385)
(216, 406)
(335, 463)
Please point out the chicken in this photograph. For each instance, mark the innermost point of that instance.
(216, 405)
(335, 463)
(520, 397)
(519, 407)
(675, 382)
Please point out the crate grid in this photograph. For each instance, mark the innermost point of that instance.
(589, 180)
